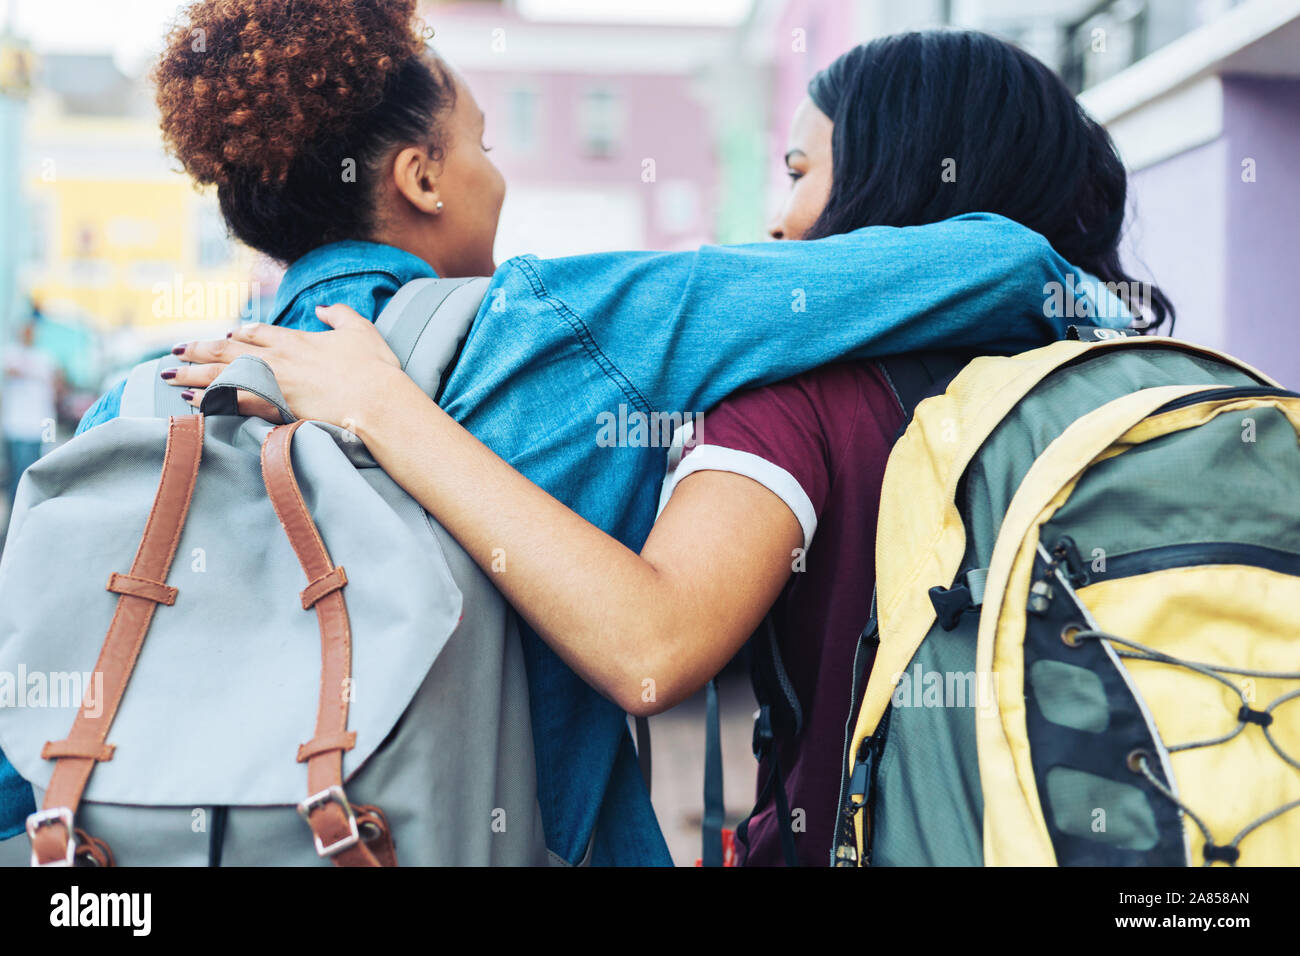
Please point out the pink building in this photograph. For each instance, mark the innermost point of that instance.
(603, 131)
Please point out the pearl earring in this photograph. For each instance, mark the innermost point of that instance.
(438, 207)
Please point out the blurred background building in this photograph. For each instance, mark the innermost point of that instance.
(639, 124)
(117, 250)
(643, 124)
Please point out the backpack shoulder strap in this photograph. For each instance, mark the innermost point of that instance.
(779, 716)
(915, 376)
(426, 322)
(426, 348)
(146, 395)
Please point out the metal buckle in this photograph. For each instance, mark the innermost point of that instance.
(331, 794)
(43, 818)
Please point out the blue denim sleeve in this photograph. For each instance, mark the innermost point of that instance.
(16, 800)
(108, 407)
(684, 330)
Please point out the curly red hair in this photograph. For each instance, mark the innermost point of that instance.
(243, 84)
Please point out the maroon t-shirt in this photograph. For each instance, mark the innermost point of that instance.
(819, 442)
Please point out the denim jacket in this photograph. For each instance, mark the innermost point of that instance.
(562, 347)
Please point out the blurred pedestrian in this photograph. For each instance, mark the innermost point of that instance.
(28, 403)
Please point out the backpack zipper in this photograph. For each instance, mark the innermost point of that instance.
(1201, 553)
(1064, 552)
(1227, 391)
(844, 853)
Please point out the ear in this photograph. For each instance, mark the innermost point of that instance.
(415, 174)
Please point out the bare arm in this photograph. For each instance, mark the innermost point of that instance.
(672, 616)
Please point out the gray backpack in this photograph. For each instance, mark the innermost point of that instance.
(290, 638)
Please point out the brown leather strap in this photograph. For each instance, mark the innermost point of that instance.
(87, 742)
(53, 750)
(336, 825)
(327, 583)
(322, 744)
(155, 591)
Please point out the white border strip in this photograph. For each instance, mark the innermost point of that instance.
(772, 477)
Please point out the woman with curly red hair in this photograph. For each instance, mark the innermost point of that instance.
(341, 145)
(321, 123)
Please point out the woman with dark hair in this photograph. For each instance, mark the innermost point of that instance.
(925, 126)
(772, 467)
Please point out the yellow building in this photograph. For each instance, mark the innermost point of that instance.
(119, 237)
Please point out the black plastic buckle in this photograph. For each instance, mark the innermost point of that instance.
(1248, 716)
(950, 604)
(1076, 570)
(1221, 854)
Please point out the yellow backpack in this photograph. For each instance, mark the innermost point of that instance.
(1086, 649)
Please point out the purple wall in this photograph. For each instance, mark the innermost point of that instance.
(1175, 238)
(1262, 240)
(1223, 249)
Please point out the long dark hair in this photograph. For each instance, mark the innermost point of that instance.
(910, 108)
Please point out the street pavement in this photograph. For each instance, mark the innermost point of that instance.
(677, 750)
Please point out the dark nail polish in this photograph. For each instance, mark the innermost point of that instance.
(188, 394)
(229, 334)
(169, 373)
(178, 350)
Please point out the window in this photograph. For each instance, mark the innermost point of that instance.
(1117, 33)
(522, 120)
(600, 122)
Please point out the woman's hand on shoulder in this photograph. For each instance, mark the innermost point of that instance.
(338, 376)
